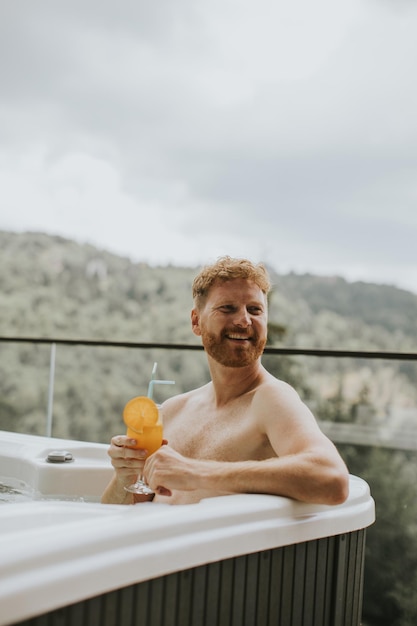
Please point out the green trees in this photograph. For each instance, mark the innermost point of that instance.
(390, 597)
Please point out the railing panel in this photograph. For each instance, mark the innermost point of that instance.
(364, 401)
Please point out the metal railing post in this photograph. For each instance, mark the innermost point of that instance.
(49, 415)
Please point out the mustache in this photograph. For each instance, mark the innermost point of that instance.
(235, 330)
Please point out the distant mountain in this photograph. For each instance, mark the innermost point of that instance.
(54, 287)
(386, 306)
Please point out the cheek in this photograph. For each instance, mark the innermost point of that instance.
(261, 326)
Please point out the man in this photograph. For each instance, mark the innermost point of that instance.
(243, 432)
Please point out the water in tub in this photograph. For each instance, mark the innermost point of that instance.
(12, 490)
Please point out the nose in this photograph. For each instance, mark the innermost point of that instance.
(242, 318)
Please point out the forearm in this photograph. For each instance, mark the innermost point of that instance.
(115, 493)
(302, 477)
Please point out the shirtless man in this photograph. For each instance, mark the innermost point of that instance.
(243, 432)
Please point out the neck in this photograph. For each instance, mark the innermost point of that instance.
(231, 382)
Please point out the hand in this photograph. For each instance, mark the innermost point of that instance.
(127, 461)
(166, 470)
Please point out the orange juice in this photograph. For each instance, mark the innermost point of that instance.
(150, 438)
(143, 421)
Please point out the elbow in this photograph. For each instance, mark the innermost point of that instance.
(338, 488)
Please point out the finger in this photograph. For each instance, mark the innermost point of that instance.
(129, 464)
(163, 491)
(121, 440)
(125, 446)
(122, 456)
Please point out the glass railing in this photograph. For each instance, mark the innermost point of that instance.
(365, 401)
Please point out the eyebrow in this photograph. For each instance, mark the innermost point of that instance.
(230, 303)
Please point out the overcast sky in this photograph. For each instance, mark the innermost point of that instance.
(175, 131)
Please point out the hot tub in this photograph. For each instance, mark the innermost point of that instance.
(240, 559)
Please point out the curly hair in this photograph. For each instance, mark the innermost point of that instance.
(226, 268)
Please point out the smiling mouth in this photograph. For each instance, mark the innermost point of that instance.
(236, 337)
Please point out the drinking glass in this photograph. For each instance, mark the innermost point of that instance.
(148, 437)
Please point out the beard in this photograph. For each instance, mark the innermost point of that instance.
(230, 353)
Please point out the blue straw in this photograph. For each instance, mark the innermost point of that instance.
(153, 381)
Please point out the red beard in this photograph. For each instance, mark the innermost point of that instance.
(228, 352)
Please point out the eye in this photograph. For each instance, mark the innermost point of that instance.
(255, 310)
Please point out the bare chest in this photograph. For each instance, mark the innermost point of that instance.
(225, 435)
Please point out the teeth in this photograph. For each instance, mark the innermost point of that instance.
(238, 337)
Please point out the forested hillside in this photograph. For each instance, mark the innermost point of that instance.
(52, 286)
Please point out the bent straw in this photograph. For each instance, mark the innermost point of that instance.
(153, 381)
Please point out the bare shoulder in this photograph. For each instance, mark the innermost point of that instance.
(279, 395)
(176, 404)
(285, 418)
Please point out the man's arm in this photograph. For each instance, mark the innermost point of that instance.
(115, 493)
(307, 466)
(302, 476)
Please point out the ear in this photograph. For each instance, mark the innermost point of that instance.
(195, 322)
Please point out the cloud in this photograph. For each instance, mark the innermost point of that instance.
(272, 129)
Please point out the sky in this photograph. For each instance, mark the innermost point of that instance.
(177, 131)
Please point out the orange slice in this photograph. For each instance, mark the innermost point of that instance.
(139, 412)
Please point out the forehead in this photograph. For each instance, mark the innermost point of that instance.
(237, 289)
